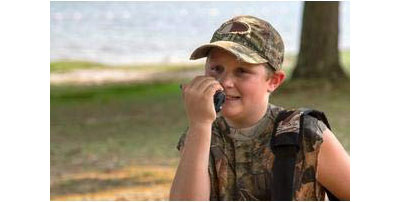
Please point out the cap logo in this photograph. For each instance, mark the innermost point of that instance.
(235, 27)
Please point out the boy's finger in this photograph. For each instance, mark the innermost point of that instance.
(213, 88)
(206, 83)
(194, 81)
(199, 82)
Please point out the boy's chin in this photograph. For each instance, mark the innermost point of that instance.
(229, 112)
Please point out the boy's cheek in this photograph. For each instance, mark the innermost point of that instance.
(208, 73)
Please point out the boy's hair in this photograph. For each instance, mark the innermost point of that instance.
(270, 71)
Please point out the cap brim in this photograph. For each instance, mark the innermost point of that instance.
(241, 52)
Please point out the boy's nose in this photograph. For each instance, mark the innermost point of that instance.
(226, 81)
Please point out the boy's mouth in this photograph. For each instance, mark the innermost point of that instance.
(232, 97)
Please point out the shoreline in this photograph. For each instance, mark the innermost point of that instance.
(74, 72)
(106, 76)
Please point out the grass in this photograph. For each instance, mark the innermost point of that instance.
(131, 183)
(345, 59)
(108, 128)
(111, 127)
(69, 66)
(114, 120)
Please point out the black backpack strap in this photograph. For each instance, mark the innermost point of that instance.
(286, 141)
(285, 144)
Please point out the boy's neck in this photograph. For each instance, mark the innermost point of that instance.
(251, 121)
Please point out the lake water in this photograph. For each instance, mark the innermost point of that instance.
(154, 32)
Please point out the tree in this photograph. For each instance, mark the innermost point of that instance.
(319, 53)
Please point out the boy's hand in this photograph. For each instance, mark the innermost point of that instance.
(198, 99)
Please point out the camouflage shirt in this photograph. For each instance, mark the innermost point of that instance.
(240, 163)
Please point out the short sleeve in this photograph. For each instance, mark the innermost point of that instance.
(181, 140)
(321, 125)
(309, 187)
(313, 133)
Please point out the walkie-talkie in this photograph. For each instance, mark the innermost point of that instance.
(219, 99)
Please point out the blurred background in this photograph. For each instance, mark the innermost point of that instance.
(116, 112)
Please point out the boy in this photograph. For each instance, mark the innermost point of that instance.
(229, 157)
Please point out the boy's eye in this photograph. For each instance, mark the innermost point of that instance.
(241, 70)
(217, 69)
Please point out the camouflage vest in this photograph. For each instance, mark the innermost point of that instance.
(241, 160)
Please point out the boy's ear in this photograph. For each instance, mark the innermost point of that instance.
(276, 80)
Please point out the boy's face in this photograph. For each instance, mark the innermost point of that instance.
(245, 85)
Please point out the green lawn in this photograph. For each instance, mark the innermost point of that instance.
(107, 126)
(111, 126)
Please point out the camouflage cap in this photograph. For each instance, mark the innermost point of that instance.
(250, 39)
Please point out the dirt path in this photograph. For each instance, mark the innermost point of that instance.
(94, 76)
(130, 183)
(110, 75)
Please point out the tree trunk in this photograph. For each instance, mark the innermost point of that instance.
(319, 52)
